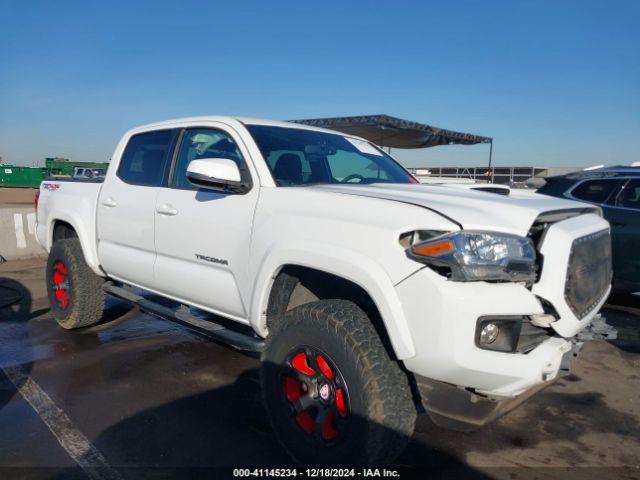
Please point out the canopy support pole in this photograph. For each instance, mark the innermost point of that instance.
(490, 158)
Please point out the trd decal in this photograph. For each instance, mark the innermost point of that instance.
(212, 259)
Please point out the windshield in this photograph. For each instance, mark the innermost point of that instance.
(302, 157)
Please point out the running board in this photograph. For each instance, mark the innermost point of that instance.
(183, 315)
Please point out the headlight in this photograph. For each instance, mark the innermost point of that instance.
(479, 256)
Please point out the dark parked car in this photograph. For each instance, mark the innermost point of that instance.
(617, 191)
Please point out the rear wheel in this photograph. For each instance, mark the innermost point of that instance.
(75, 292)
(333, 394)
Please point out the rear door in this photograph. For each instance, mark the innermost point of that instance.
(126, 207)
(203, 236)
(624, 215)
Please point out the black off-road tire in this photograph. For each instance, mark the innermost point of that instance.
(381, 415)
(82, 302)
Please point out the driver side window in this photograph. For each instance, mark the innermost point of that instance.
(354, 167)
(200, 143)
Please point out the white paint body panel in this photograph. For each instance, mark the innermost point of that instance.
(219, 168)
(443, 316)
(351, 231)
(126, 240)
(556, 249)
(347, 235)
(74, 203)
(473, 209)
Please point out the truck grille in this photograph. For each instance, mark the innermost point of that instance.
(545, 220)
(589, 272)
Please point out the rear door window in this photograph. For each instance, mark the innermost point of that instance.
(596, 191)
(145, 158)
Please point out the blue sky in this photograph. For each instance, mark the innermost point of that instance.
(554, 82)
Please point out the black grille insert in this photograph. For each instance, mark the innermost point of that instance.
(589, 272)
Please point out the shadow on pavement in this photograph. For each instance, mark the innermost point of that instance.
(623, 312)
(216, 431)
(16, 342)
(15, 301)
(15, 312)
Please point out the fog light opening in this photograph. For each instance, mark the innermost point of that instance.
(499, 333)
(489, 333)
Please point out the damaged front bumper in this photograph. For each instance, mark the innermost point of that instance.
(598, 329)
(464, 409)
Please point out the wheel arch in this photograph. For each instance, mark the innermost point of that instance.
(61, 229)
(358, 272)
(68, 227)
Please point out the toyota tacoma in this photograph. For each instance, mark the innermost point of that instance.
(369, 296)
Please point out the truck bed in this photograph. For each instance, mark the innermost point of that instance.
(73, 201)
(73, 179)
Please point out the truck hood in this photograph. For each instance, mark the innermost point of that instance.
(470, 209)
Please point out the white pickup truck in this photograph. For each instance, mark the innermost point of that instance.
(368, 295)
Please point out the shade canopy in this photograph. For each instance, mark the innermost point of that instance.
(387, 131)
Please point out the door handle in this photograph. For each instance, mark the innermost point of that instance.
(109, 202)
(167, 209)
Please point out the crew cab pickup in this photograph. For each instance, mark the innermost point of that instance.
(368, 294)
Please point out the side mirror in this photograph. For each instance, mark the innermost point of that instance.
(219, 174)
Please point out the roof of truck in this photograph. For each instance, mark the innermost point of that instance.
(232, 119)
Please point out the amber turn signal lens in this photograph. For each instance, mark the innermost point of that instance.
(433, 249)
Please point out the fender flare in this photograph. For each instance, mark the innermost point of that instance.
(348, 264)
(87, 241)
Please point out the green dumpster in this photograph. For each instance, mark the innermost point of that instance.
(25, 177)
(30, 177)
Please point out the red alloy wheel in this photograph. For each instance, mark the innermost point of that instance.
(61, 285)
(317, 393)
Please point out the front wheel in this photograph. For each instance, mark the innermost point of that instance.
(333, 394)
(74, 290)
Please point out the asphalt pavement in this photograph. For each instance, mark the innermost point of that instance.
(137, 396)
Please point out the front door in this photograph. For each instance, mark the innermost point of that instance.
(126, 208)
(203, 236)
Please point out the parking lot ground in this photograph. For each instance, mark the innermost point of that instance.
(16, 196)
(136, 396)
